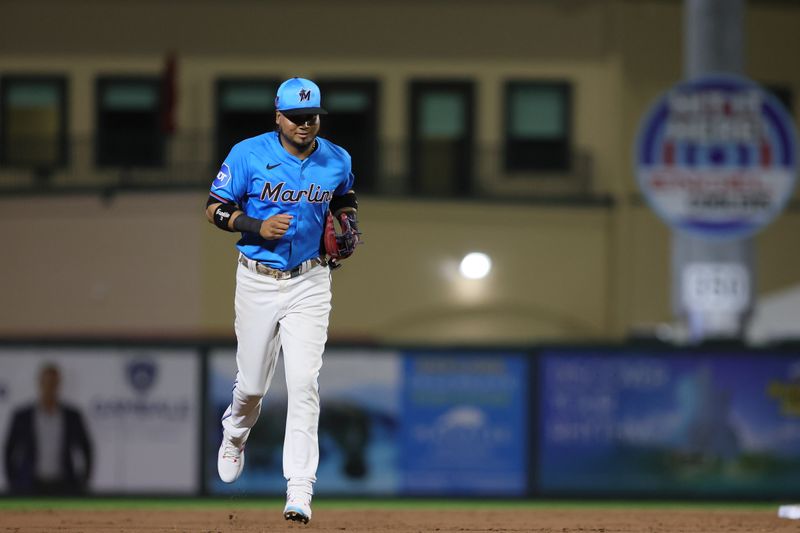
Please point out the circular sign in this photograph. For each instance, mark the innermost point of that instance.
(716, 156)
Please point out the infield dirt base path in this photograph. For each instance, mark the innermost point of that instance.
(556, 521)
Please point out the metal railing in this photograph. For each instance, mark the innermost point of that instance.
(191, 161)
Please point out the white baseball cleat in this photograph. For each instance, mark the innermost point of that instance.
(230, 461)
(298, 507)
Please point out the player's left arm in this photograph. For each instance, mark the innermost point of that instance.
(344, 203)
(344, 209)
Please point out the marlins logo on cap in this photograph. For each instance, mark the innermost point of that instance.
(298, 96)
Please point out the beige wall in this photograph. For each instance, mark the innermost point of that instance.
(150, 265)
(389, 30)
(403, 286)
(83, 266)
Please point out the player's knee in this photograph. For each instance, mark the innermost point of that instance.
(248, 397)
(252, 400)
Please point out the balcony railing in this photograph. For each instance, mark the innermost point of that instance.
(190, 161)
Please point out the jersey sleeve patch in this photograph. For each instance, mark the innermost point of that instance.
(223, 176)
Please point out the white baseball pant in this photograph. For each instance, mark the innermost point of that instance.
(288, 316)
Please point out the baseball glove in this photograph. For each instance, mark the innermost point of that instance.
(341, 245)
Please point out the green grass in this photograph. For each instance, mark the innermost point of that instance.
(395, 504)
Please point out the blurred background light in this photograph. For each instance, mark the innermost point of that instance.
(475, 265)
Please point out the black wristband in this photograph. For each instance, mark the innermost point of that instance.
(246, 223)
(347, 202)
(222, 214)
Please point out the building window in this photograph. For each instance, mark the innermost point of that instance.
(33, 121)
(441, 119)
(245, 108)
(537, 131)
(352, 123)
(129, 132)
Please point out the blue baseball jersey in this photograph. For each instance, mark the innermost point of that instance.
(265, 180)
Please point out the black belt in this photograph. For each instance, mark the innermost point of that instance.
(302, 268)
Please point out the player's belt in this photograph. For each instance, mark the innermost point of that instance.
(259, 268)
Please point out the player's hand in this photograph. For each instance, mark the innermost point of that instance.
(275, 227)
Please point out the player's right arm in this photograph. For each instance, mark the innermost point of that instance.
(228, 217)
(231, 182)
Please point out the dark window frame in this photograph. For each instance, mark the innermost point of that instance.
(104, 80)
(367, 171)
(514, 166)
(61, 81)
(220, 85)
(465, 185)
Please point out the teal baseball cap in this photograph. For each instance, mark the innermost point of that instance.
(299, 96)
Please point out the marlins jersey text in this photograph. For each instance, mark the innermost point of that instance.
(265, 180)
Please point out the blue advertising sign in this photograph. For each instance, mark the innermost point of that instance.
(716, 156)
(628, 422)
(464, 426)
(360, 403)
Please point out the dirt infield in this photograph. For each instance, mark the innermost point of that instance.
(337, 520)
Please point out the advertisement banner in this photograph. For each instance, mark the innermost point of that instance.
(132, 414)
(464, 425)
(360, 411)
(683, 423)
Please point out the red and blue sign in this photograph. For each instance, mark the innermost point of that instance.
(716, 156)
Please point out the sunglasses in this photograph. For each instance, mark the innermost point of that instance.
(299, 120)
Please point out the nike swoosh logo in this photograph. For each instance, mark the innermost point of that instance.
(270, 167)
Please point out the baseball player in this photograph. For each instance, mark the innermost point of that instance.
(282, 191)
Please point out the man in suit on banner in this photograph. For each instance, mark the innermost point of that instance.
(48, 450)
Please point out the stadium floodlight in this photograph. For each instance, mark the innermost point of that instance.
(475, 265)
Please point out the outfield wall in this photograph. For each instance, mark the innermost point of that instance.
(538, 421)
